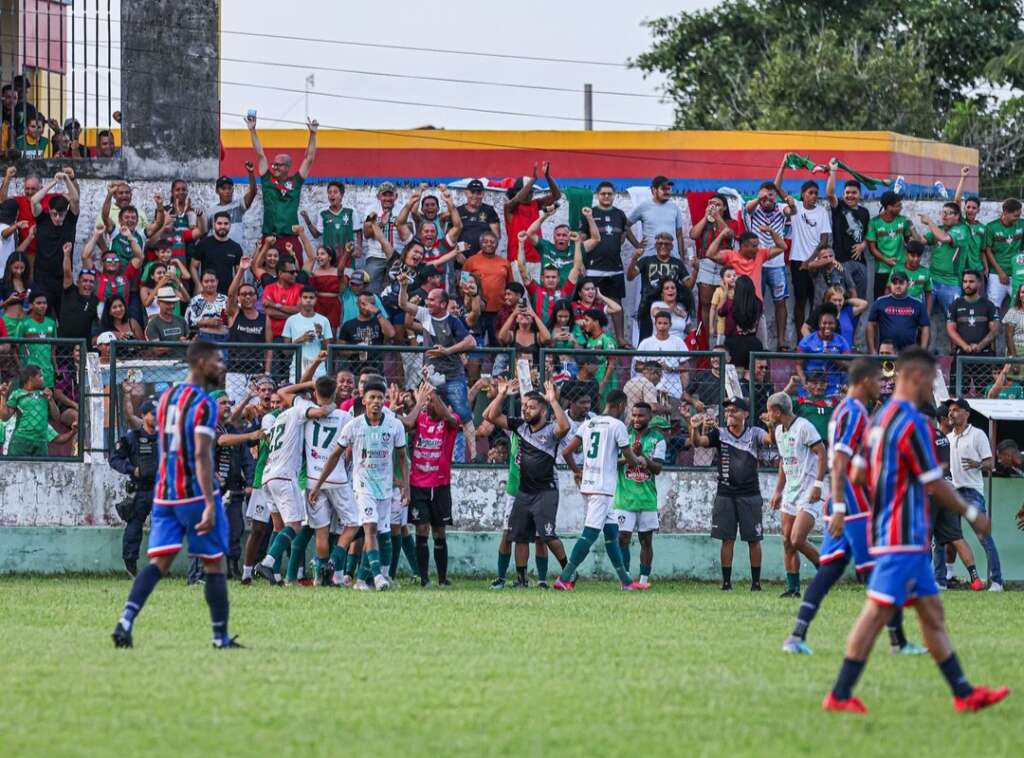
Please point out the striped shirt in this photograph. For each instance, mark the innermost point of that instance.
(846, 434)
(901, 461)
(184, 410)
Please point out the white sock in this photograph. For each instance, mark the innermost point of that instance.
(949, 570)
(644, 579)
(385, 571)
(247, 572)
(268, 561)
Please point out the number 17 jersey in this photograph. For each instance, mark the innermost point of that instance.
(602, 438)
(320, 433)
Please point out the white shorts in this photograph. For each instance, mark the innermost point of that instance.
(259, 509)
(599, 510)
(334, 505)
(997, 291)
(372, 510)
(509, 500)
(285, 496)
(399, 515)
(709, 272)
(792, 509)
(636, 521)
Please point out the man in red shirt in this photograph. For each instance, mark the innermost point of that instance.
(281, 300)
(749, 259)
(522, 209)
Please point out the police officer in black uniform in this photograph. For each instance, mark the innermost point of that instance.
(135, 457)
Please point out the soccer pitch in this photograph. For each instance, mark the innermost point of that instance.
(684, 669)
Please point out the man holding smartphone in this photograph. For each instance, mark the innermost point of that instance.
(310, 329)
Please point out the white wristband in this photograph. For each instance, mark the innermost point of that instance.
(838, 507)
(819, 484)
(972, 513)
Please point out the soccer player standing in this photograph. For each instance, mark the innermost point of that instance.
(903, 475)
(603, 439)
(846, 538)
(186, 498)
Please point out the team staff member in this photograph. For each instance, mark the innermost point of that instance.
(135, 457)
(738, 501)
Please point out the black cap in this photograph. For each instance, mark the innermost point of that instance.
(225, 181)
(660, 181)
(737, 402)
(898, 276)
(942, 411)
(147, 406)
(475, 186)
(961, 402)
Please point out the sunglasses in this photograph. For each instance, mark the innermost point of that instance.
(289, 271)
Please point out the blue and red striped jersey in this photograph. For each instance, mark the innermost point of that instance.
(183, 411)
(901, 461)
(847, 431)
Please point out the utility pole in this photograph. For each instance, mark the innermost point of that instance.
(588, 107)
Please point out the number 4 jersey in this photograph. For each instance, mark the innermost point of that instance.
(602, 438)
(320, 434)
(183, 412)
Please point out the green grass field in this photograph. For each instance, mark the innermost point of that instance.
(683, 669)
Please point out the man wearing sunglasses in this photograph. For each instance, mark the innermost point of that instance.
(281, 300)
(54, 226)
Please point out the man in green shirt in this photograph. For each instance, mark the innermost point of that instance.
(594, 324)
(918, 276)
(338, 223)
(558, 252)
(1003, 252)
(950, 243)
(33, 406)
(887, 235)
(636, 495)
(975, 260)
(815, 405)
(37, 325)
(282, 189)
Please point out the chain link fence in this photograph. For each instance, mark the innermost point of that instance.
(42, 414)
(992, 377)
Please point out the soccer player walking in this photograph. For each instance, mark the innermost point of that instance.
(903, 475)
(846, 538)
(798, 489)
(186, 498)
(603, 439)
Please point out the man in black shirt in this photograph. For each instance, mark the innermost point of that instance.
(849, 224)
(54, 227)
(738, 501)
(477, 217)
(217, 252)
(652, 269)
(369, 327)
(972, 328)
(78, 305)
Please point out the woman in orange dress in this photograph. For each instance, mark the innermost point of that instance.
(324, 272)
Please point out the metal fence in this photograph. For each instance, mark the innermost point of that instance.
(978, 376)
(43, 415)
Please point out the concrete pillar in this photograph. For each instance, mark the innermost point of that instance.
(170, 53)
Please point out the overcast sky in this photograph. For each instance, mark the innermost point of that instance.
(590, 31)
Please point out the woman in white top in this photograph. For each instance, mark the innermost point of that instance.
(207, 311)
(668, 300)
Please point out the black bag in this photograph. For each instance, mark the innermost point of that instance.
(125, 508)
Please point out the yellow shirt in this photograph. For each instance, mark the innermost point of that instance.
(716, 302)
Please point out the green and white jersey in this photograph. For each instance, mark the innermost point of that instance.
(949, 258)
(373, 453)
(338, 228)
(637, 490)
(286, 442)
(602, 438)
(263, 448)
(798, 462)
(32, 413)
(512, 487)
(320, 434)
(1004, 241)
(975, 242)
(890, 239)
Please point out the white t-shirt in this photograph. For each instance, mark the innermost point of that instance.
(679, 323)
(373, 448)
(602, 438)
(655, 218)
(973, 444)
(807, 227)
(296, 325)
(319, 434)
(390, 228)
(7, 247)
(670, 382)
(285, 445)
(798, 462)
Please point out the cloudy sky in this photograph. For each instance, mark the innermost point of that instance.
(536, 28)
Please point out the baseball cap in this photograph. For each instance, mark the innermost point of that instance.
(218, 394)
(898, 276)
(167, 295)
(737, 402)
(225, 181)
(475, 186)
(147, 406)
(386, 187)
(942, 411)
(359, 277)
(960, 402)
(660, 181)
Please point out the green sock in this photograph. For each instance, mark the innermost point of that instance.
(364, 567)
(579, 552)
(384, 550)
(625, 556)
(409, 551)
(338, 558)
(298, 556)
(542, 567)
(282, 540)
(351, 561)
(611, 547)
(645, 569)
(373, 558)
(503, 560)
(793, 581)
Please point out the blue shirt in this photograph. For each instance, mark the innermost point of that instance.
(848, 323)
(813, 343)
(898, 319)
(183, 411)
(846, 434)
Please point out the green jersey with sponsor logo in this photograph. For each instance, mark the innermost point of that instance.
(636, 490)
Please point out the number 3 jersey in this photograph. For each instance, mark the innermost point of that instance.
(183, 411)
(320, 435)
(602, 438)
(285, 445)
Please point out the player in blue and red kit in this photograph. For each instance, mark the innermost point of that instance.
(186, 498)
(847, 511)
(904, 477)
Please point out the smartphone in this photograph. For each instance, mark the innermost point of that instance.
(465, 277)
(251, 113)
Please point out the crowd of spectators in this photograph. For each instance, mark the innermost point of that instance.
(438, 281)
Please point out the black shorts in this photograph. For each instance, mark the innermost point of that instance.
(881, 282)
(803, 284)
(946, 525)
(613, 286)
(533, 516)
(431, 505)
(730, 512)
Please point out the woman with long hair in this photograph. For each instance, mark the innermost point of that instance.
(587, 296)
(15, 286)
(525, 331)
(1013, 327)
(709, 274)
(160, 276)
(207, 312)
(321, 265)
(670, 298)
(746, 310)
(115, 319)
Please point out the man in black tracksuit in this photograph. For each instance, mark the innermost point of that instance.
(135, 457)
